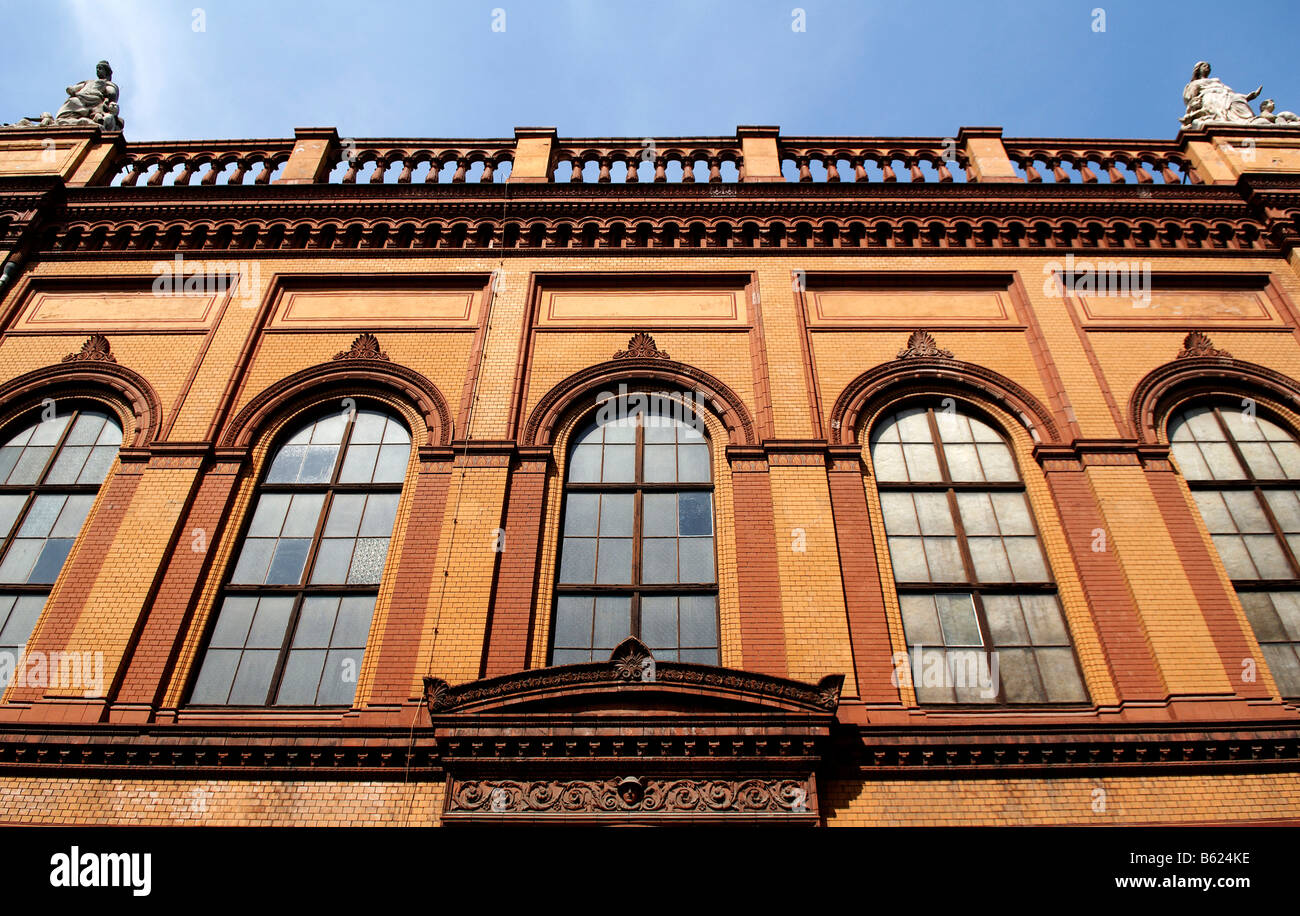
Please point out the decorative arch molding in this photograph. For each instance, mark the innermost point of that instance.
(545, 421)
(917, 375)
(343, 374)
(1163, 387)
(121, 385)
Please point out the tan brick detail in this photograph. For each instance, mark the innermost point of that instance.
(783, 339)
(1184, 649)
(1074, 603)
(219, 803)
(732, 651)
(816, 625)
(1200, 798)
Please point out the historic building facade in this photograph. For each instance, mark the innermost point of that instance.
(826, 480)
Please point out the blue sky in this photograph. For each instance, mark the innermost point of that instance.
(647, 68)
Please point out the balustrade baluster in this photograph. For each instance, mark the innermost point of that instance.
(887, 170)
(805, 174)
(156, 179)
(187, 173)
(715, 170)
(832, 170)
(1060, 175)
(1085, 174)
(1114, 174)
(575, 175)
(1031, 173)
(408, 166)
(1167, 174)
(462, 166)
(264, 176)
(381, 169)
(632, 162)
(349, 177)
(131, 177)
(859, 170)
(604, 176)
(914, 169)
(661, 169)
(434, 175)
(1143, 176)
(213, 174)
(688, 171)
(488, 171)
(944, 174)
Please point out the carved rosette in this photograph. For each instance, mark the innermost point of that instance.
(95, 350)
(641, 346)
(366, 346)
(1198, 344)
(922, 345)
(630, 795)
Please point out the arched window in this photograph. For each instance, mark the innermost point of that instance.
(295, 613)
(1244, 472)
(50, 472)
(980, 610)
(637, 556)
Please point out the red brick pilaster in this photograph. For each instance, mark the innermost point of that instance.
(1214, 598)
(168, 618)
(1124, 641)
(762, 624)
(70, 599)
(515, 586)
(864, 599)
(399, 644)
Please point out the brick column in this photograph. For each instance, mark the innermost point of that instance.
(398, 638)
(1119, 627)
(762, 626)
(864, 598)
(185, 573)
(515, 590)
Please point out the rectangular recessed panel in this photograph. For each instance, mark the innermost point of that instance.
(895, 306)
(118, 309)
(645, 307)
(376, 308)
(1176, 306)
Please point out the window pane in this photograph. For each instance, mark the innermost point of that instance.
(22, 619)
(315, 623)
(1285, 666)
(268, 518)
(990, 560)
(920, 620)
(368, 427)
(660, 463)
(613, 623)
(287, 464)
(332, 561)
(1260, 460)
(698, 622)
(693, 463)
(696, 513)
(616, 515)
(977, 513)
(303, 515)
(1269, 559)
(1189, 460)
(1006, 623)
(887, 462)
(934, 513)
(254, 559)
(695, 559)
(1221, 461)
(957, 617)
(922, 464)
(338, 683)
(930, 677)
(570, 656)
(907, 555)
(573, 620)
(899, 512)
(1246, 512)
(614, 561)
(359, 464)
(345, 515)
(1264, 620)
(288, 561)
(269, 623)
(10, 505)
(68, 464)
(253, 679)
(353, 625)
(659, 560)
(659, 621)
(30, 465)
(50, 561)
(1060, 676)
(620, 464)
(368, 561)
(1233, 553)
(73, 516)
(1019, 675)
(301, 677)
(1012, 513)
(42, 515)
(580, 514)
(584, 464)
(1026, 560)
(391, 467)
(1286, 508)
(578, 560)
(659, 514)
(963, 462)
(216, 676)
(996, 459)
(944, 560)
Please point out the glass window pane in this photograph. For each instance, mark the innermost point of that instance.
(614, 561)
(97, 465)
(977, 513)
(659, 621)
(698, 621)
(580, 514)
(930, 677)
(1269, 559)
(1006, 623)
(381, 512)
(301, 678)
(1188, 457)
(922, 464)
(391, 467)
(907, 556)
(268, 517)
(316, 622)
(698, 656)
(216, 676)
(303, 515)
(1060, 676)
(1235, 558)
(396, 433)
(20, 558)
(332, 561)
(944, 560)
(318, 465)
(87, 428)
(696, 513)
(620, 464)
(22, 619)
(934, 513)
(570, 656)
(584, 464)
(578, 560)
(68, 464)
(1286, 508)
(288, 561)
(1019, 675)
(1264, 620)
(1026, 560)
(613, 623)
(368, 561)
(996, 459)
(1287, 605)
(887, 462)
(8, 457)
(1288, 455)
(695, 560)
(963, 462)
(659, 514)
(269, 623)
(957, 617)
(920, 620)
(329, 429)
(990, 560)
(30, 465)
(352, 628)
(1046, 625)
(899, 512)
(659, 560)
(622, 430)
(573, 620)
(338, 683)
(48, 431)
(1012, 513)
(51, 559)
(1222, 462)
(73, 516)
(254, 559)
(42, 515)
(1246, 512)
(693, 463)
(1214, 511)
(253, 679)
(345, 515)
(660, 463)
(913, 425)
(359, 464)
(369, 427)
(1285, 667)
(10, 505)
(972, 676)
(1260, 460)
(616, 515)
(284, 469)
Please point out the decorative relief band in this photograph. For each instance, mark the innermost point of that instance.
(629, 795)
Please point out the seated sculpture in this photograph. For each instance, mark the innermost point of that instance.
(1210, 101)
(90, 103)
(1267, 115)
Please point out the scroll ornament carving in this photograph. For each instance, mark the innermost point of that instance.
(630, 794)
(922, 345)
(366, 346)
(95, 349)
(641, 346)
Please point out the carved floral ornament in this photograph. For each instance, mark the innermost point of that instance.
(366, 346)
(641, 346)
(630, 795)
(922, 345)
(1198, 344)
(95, 349)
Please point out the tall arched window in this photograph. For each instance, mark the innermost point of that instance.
(1244, 472)
(637, 556)
(50, 472)
(296, 610)
(980, 610)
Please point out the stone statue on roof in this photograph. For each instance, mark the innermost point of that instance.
(91, 103)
